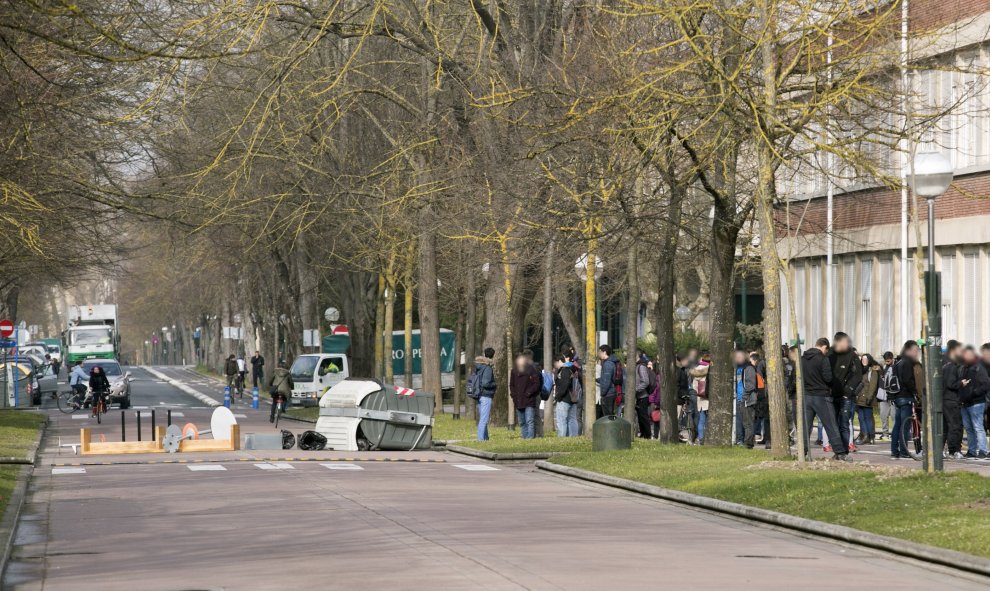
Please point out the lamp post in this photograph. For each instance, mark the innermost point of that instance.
(585, 263)
(930, 178)
(683, 314)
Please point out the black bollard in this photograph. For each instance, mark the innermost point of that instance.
(153, 434)
(123, 427)
(138, 415)
(169, 418)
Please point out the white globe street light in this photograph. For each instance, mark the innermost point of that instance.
(683, 314)
(932, 175)
(581, 267)
(331, 315)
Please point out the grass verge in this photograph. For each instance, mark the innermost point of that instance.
(949, 510)
(18, 430)
(465, 433)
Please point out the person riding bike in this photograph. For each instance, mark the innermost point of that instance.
(280, 387)
(99, 385)
(230, 371)
(78, 380)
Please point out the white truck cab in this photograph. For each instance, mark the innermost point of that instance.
(313, 374)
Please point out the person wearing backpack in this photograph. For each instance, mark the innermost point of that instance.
(745, 400)
(481, 387)
(761, 425)
(885, 402)
(816, 373)
(699, 384)
(952, 377)
(567, 395)
(610, 379)
(646, 381)
(906, 385)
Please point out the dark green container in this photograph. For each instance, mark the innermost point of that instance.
(610, 433)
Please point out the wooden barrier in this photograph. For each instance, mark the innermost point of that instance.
(88, 447)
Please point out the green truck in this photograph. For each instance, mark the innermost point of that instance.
(92, 333)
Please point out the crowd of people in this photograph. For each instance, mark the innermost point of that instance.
(842, 387)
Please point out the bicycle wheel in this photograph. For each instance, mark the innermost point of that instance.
(278, 412)
(67, 402)
(911, 438)
(99, 411)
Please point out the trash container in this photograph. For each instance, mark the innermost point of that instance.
(610, 433)
(362, 414)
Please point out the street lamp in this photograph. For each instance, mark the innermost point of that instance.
(683, 314)
(930, 178)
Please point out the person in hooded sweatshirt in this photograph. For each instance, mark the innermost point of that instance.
(606, 381)
(952, 371)
(816, 372)
(847, 383)
(483, 366)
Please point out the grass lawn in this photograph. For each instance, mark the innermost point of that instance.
(18, 430)
(950, 510)
(464, 432)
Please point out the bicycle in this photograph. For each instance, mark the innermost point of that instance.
(239, 386)
(100, 405)
(71, 401)
(279, 402)
(911, 435)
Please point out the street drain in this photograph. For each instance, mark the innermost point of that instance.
(776, 557)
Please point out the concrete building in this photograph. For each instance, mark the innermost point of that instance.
(853, 255)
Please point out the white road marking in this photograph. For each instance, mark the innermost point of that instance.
(276, 466)
(342, 466)
(80, 417)
(206, 467)
(237, 416)
(68, 470)
(475, 467)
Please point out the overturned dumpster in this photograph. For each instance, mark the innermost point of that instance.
(364, 414)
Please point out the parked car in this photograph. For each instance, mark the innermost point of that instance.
(22, 372)
(120, 381)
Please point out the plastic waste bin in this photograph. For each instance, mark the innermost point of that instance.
(610, 433)
(364, 414)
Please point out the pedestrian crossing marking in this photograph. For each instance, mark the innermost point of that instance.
(275, 466)
(68, 470)
(80, 417)
(339, 466)
(476, 467)
(206, 468)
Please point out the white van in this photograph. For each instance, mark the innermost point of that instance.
(313, 374)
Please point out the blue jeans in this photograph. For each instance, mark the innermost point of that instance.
(976, 435)
(866, 427)
(902, 415)
(484, 414)
(702, 421)
(526, 417)
(565, 414)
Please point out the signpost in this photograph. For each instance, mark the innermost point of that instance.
(6, 330)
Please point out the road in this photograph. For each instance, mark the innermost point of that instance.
(448, 524)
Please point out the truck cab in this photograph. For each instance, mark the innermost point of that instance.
(313, 374)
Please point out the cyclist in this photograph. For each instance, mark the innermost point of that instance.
(99, 384)
(280, 387)
(241, 374)
(230, 370)
(78, 380)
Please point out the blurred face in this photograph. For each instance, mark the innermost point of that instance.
(520, 363)
(740, 358)
(969, 357)
(865, 360)
(912, 353)
(986, 355)
(841, 346)
(557, 364)
(792, 354)
(888, 360)
(602, 355)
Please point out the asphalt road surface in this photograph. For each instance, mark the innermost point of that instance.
(344, 523)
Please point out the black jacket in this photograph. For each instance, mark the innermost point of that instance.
(904, 370)
(257, 365)
(562, 384)
(98, 382)
(952, 376)
(978, 387)
(790, 379)
(847, 374)
(816, 372)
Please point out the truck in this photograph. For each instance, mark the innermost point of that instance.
(339, 343)
(92, 333)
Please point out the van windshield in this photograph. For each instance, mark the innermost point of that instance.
(90, 336)
(303, 368)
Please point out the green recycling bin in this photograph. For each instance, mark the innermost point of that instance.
(610, 433)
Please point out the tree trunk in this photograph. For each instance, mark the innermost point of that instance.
(548, 353)
(407, 326)
(497, 324)
(355, 290)
(632, 317)
(591, 339)
(429, 321)
(379, 360)
(470, 332)
(388, 327)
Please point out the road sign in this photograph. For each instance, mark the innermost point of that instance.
(6, 328)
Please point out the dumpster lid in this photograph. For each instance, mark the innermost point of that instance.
(349, 393)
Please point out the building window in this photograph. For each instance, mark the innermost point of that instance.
(815, 304)
(886, 304)
(971, 298)
(866, 273)
(849, 298)
(948, 289)
(800, 293)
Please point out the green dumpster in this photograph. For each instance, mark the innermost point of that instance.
(610, 433)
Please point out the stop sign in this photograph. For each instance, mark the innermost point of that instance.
(6, 328)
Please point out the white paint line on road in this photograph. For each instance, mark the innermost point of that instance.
(237, 416)
(206, 467)
(476, 467)
(182, 386)
(275, 466)
(80, 417)
(342, 466)
(68, 470)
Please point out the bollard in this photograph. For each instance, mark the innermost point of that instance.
(123, 427)
(152, 424)
(255, 398)
(226, 396)
(169, 417)
(138, 415)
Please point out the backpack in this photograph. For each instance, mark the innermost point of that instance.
(619, 374)
(547, 387)
(890, 383)
(761, 384)
(577, 390)
(474, 385)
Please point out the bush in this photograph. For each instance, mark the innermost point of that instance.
(750, 336)
(690, 339)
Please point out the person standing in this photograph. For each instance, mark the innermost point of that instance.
(790, 385)
(952, 371)
(864, 401)
(885, 401)
(258, 369)
(567, 397)
(907, 388)
(483, 366)
(606, 381)
(699, 383)
(974, 388)
(847, 382)
(816, 372)
(745, 400)
(524, 387)
(645, 381)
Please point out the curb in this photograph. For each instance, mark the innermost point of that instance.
(502, 457)
(11, 517)
(187, 389)
(930, 554)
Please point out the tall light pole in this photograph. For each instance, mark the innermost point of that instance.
(592, 319)
(683, 314)
(931, 176)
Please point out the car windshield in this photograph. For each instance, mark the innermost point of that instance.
(303, 367)
(90, 336)
(54, 349)
(111, 368)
